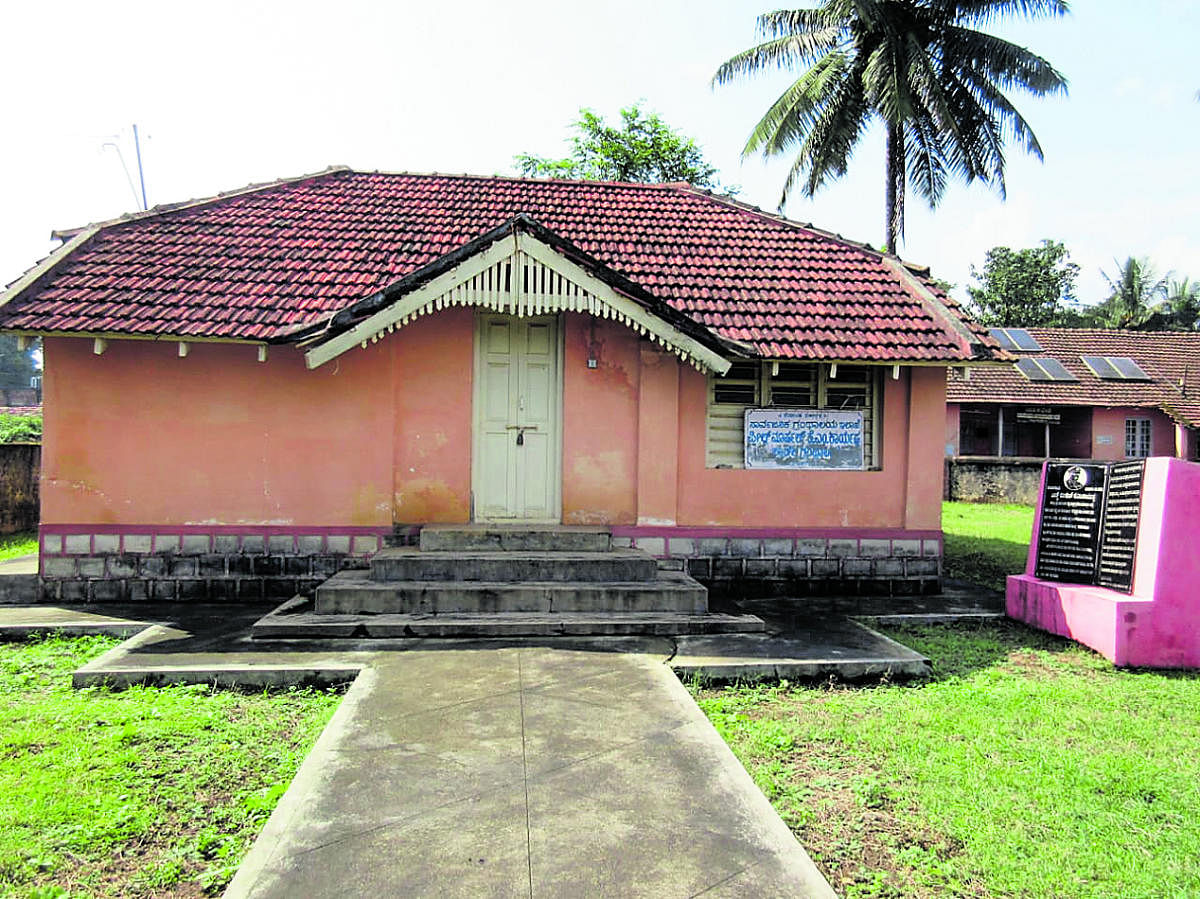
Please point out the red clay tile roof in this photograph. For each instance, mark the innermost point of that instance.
(1170, 358)
(259, 264)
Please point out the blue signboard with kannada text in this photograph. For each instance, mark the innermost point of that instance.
(804, 439)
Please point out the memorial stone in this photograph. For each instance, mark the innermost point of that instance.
(1089, 521)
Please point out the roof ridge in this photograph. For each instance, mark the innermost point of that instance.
(1117, 332)
(164, 208)
(641, 185)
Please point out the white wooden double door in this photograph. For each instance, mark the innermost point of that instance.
(518, 419)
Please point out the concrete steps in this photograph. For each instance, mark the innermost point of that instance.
(410, 564)
(508, 538)
(293, 623)
(352, 592)
(489, 581)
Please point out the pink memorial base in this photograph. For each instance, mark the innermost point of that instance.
(1158, 625)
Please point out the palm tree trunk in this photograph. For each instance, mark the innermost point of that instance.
(894, 200)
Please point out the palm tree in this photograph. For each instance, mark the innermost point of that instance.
(1135, 299)
(919, 66)
(1182, 304)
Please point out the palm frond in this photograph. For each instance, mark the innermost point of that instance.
(787, 52)
(925, 158)
(796, 109)
(833, 134)
(986, 12)
(791, 22)
(1002, 61)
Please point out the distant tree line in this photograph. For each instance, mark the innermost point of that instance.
(1035, 287)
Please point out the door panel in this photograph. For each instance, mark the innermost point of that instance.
(518, 393)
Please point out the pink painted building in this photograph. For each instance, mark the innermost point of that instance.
(243, 392)
(1081, 394)
(1074, 394)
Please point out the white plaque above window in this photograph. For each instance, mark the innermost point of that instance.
(804, 439)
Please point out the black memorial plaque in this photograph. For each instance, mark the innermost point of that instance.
(1119, 528)
(1089, 523)
(1072, 507)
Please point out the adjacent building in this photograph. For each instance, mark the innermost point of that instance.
(1073, 393)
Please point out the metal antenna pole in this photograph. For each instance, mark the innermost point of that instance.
(137, 146)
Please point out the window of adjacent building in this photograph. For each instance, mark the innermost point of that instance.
(978, 428)
(1029, 432)
(787, 385)
(1137, 438)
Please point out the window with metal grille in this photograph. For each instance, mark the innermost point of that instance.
(1137, 438)
(790, 385)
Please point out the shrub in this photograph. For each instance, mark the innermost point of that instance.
(20, 428)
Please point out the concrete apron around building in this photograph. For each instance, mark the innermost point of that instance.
(523, 771)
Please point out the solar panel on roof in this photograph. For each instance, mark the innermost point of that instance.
(1115, 368)
(1129, 369)
(1015, 339)
(1056, 370)
(1001, 335)
(1030, 369)
(1024, 340)
(1101, 366)
(1044, 368)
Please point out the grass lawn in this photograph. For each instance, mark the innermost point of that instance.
(985, 541)
(21, 544)
(145, 792)
(1027, 766)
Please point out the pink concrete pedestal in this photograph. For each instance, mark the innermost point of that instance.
(1158, 625)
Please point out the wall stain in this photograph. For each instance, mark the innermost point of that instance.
(428, 501)
(599, 486)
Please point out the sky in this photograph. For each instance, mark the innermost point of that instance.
(231, 93)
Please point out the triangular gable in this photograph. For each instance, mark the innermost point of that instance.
(521, 272)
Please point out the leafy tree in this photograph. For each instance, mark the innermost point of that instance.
(1136, 295)
(920, 67)
(644, 149)
(1032, 287)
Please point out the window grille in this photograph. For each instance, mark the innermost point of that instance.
(790, 385)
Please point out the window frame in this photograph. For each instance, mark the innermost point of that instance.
(1141, 437)
(724, 424)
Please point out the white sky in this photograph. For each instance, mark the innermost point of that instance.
(228, 93)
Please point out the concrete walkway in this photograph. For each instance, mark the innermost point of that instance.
(523, 772)
(573, 768)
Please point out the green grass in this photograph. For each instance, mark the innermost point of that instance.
(21, 544)
(145, 792)
(985, 542)
(1027, 766)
